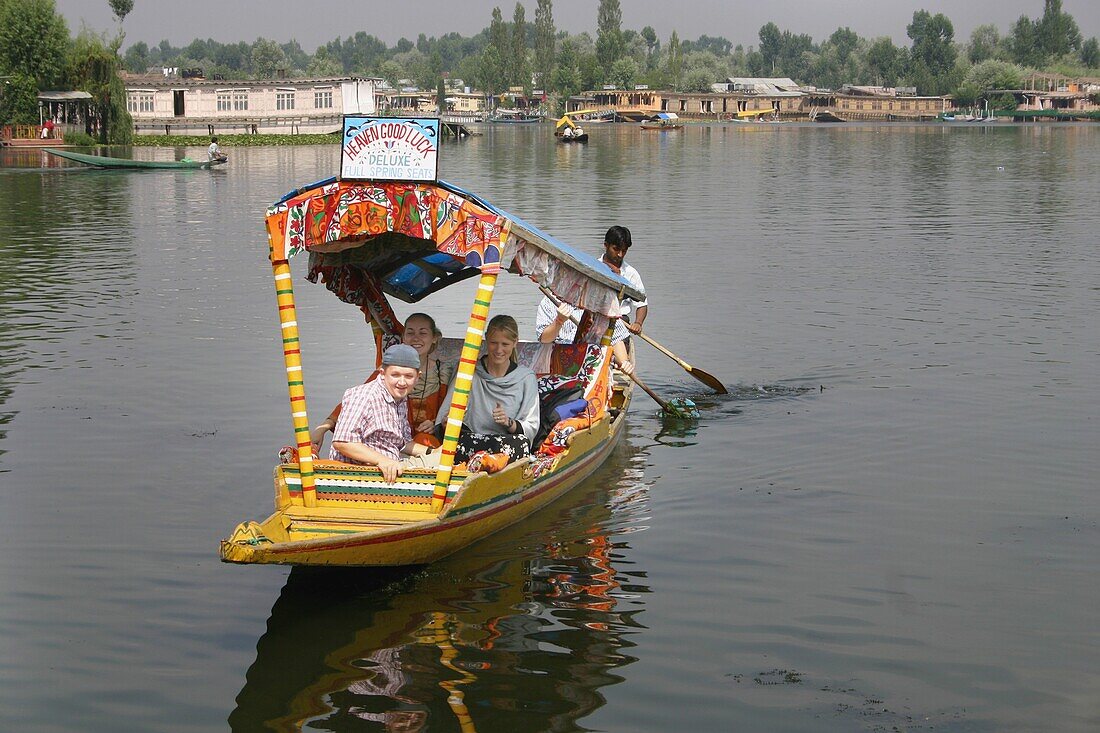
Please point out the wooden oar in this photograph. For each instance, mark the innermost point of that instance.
(708, 379)
(678, 407)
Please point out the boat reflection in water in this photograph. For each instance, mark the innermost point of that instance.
(514, 633)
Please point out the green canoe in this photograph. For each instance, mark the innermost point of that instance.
(102, 161)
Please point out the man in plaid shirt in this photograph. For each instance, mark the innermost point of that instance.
(373, 428)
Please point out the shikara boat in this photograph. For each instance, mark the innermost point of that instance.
(102, 161)
(567, 130)
(754, 116)
(663, 121)
(515, 116)
(368, 240)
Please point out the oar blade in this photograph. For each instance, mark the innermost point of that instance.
(681, 407)
(708, 379)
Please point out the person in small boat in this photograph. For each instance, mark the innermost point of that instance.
(373, 427)
(214, 152)
(426, 397)
(502, 414)
(554, 323)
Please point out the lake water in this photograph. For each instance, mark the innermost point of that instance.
(890, 523)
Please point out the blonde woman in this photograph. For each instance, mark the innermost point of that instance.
(502, 414)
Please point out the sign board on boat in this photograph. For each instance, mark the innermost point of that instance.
(390, 148)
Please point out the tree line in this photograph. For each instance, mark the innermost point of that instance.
(536, 55)
(34, 45)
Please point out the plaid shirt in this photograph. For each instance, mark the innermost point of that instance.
(369, 415)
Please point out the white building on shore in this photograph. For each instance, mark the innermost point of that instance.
(170, 104)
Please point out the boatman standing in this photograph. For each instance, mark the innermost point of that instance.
(555, 323)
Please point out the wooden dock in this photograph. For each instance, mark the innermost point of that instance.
(457, 130)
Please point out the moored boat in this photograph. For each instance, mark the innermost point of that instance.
(514, 116)
(102, 161)
(370, 238)
(662, 121)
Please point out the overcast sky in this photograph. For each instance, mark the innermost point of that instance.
(314, 22)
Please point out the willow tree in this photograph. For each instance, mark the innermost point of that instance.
(94, 67)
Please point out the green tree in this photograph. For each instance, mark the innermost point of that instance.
(441, 97)
(609, 34)
(695, 80)
(296, 58)
(566, 77)
(392, 73)
(34, 41)
(623, 73)
(885, 62)
(494, 59)
(932, 56)
(544, 43)
(675, 60)
(93, 67)
(994, 75)
(591, 73)
(492, 75)
(323, 64)
(771, 46)
(1023, 43)
(652, 47)
(1090, 53)
(266, 58)
(121, 8)
(1057, 31)
(519, 73)
(984, 42)
(18, 100)
(716, 45)
(137, 58)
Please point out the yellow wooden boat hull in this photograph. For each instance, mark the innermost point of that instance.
(350, 526)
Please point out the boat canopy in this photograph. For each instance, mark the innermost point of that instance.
(411, 239)
(665, 116)
(567, 118)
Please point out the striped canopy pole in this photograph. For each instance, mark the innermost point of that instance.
(475, 332)
(295, 384)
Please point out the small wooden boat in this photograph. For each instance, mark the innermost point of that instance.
(582, 138)
(408, 239)
(825, 115)
(102, 161)
(514, 116)
(662, 121)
